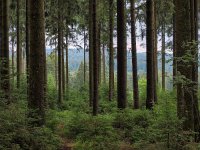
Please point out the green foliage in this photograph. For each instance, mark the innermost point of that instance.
(92, 132)
(15, 132)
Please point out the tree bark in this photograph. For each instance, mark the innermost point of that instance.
(194, 28)
(13, 61)
(95, 60)
(19, 49)
(104, 65)
(4, 56)
(37, 89)
(134, 56)
(155, 56)
(27, 41)
(111, 50)
(183, 37)
(150, 53)
(174, 49)
(91, 53)
(63, 58)
(121, 55)
(67, 67)
(60, 87)
(163, 56)
(84, 75)
(99, 49)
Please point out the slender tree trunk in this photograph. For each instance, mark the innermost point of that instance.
(155, 59)
(111, 50)
(13, 61)
(19, 49)
(60, 87)
(84, 76)
(27, 41)
(134, 56)
(99, 48)
(56, 65)
(195, 68)
(67, 67)
(63, 60)
(183, 36)
(4, 59)
(95, 59)
(163, 57)
(150, 53)
(37, 89)
(91, 53)
(174, 49)
(121, 55)
(104, 65)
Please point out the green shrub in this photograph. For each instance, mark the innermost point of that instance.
(92, 133)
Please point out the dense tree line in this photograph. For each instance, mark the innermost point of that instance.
(100, 22)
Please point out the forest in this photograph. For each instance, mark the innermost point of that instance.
(99, 75)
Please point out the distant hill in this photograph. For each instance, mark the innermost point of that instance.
(76, 57)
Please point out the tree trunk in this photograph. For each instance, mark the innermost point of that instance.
(99, 48)
(104, 65)
(121, 55)
(27, 41)
(195, 69)
(111, 50)
(84, 76)
(56, 66)
(163, 56)
(19, 48)
(174, 48)
(134, 56)
(37, 89)
(155, 56)
(67, 67)
(63, 59)
(13, 61)
(4, 59)
(60, 87)
(150, 53)
(183, 36)
(91, 84)
(95, 60)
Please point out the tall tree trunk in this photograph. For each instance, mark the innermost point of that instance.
(60, 87)
(121, 55)
(13, 61)
(84, 72)
(37, 92)
(163, 56)
(104, 65)
(19, 48)
(56, 66)
(155, 56)
(150, 53)
(134, 56)
(174, 48)
(194, 29)
(91, 52)
(27, 41)
(4, 56)
(67, 67)
(63, 59)
(111, 50)
(99, 49)
(95, 59)
(183, 37)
